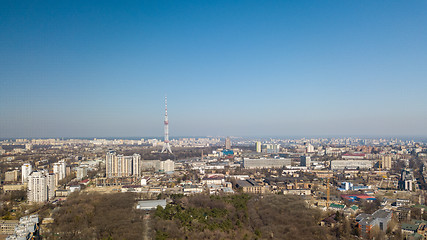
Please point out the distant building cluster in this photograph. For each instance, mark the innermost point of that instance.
(267, 147)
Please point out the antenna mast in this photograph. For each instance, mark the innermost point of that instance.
(166, 145)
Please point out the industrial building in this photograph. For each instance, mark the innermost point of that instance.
(266, 163)
(151, 204)
(351, 164)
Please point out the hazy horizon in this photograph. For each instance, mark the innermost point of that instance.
(241, 68)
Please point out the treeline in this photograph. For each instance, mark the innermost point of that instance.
(152, 153)
(97, 216)
(239, 216)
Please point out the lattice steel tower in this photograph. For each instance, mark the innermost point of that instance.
(166, 146)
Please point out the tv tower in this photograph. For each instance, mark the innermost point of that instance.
(166, 146)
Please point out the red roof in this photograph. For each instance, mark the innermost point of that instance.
(360, 196)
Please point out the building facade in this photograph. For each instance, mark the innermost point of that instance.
(258, 147)
(11, 176)
(166, 166)
(386, 162)
(26, 169)
(41, 187)
(266, 163)
(351, 164)
(227, 143)
(122, 166)
(305, 161)
(81, 172)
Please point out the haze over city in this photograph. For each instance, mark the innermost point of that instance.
(242, 68)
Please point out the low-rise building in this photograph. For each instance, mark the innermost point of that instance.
(151, 204)
(351, 164)
(266, 163)
(379, 218)
(11, 176)
(28, 228)
(7, 227)
(250, 186)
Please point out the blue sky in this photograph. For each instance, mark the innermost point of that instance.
(243, 68)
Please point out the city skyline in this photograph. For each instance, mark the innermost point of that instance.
(229, 69)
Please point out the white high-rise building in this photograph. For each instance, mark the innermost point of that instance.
(167, 166)
(122, 166)
(136, 168)
(41, 187)
(81, 173)
(51, 185)
(310, 148)
(26, 169)
(59, 169)
(258, 147)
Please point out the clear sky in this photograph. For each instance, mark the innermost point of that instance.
(242, 68)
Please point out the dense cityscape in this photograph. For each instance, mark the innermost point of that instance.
(376, 186)
(216, 120)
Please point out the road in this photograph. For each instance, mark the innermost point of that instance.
(146, 235)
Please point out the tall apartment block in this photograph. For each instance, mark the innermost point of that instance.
(59, 169)
(26, 169)
(122, 166)
(41, 187)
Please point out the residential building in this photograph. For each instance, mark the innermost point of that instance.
(407, 180)
(228, 143)
(81, 173)
(150, 165)
(59, 169)
(270, 148)
(386, 162)
(250, 186)
(28, 228)
(305, 161)
(41, 187)
(217, 179)
(122, 166)
(258, 147)
(7, 227)
(379, 218)
(309, 148)
(166, 166)
(11, 176)
(26, 169)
